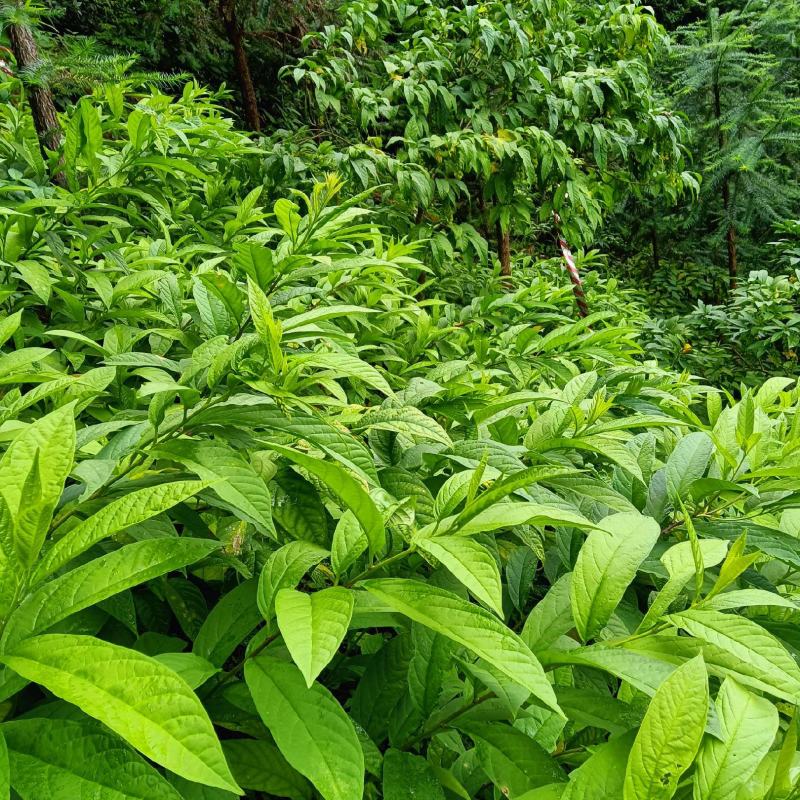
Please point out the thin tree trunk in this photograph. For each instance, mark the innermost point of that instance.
(235, 34)
(504, 250)
(40, 98)
(730, 233)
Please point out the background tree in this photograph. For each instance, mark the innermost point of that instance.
(496, 115)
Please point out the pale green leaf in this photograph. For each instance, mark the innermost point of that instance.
(313, 625)
(283, 570)
(64, 759)
(469, 625)
(749, 724)
(143, 701)
(309, 726)
(670, 734)
(605, 567)
(119, 514)
(471, 563)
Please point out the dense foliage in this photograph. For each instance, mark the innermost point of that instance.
(296, 503)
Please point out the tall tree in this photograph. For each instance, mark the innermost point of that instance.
(737, 79)
(235, 33)
(19, 28)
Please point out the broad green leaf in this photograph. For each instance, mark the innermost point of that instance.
(469, 625)
(283, 570)
(228, 624)
(749, 724)
(64, 759)
(313, 625)
(688, 462)
(602, 775)
(759, 652)
(507, 486)
(471, 563)
(143, 701)
(46, 448)
(347, 489)
(349, 542)
(509, 515)
(406, 775)
(551, 617)
(670, 734)
(343, 365)
(309, 726)
(406, 420)
(680, 565)
(234, 480)
(259, 766)
(605, 567)
(101, 578)
(514, 762)
(192, 668)
(131, 509)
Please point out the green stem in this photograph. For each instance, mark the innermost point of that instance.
(381, 565)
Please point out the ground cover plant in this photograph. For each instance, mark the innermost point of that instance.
(281, 516)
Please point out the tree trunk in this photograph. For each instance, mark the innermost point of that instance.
(40, 98)
(504, 250)
(730, 233)
(235, 34)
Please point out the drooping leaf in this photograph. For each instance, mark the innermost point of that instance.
(63, 759)
(140, 699)
(283, 570)
(313, 625)
(310, 728)
(470, 626)
(471, 563)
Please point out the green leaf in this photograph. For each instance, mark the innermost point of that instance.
(688, 462)
(551, 617)
(407, 420)
(102, 578)
(507, 486)
(749, 724)
(470, 626)
(309, 726)
(131, 509)
(283, 570)
(143, 701)
(763, 662)
(514, 762)
(47, 449)
(192, 668)
(346, 488)
(313, 625)
(259, 766)
(471, 563)
(670, 734)
(65, 759)
(408, 776)
(605, 567)
(235, 481)
(349, 542)
(602, 775)
(228, 624)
